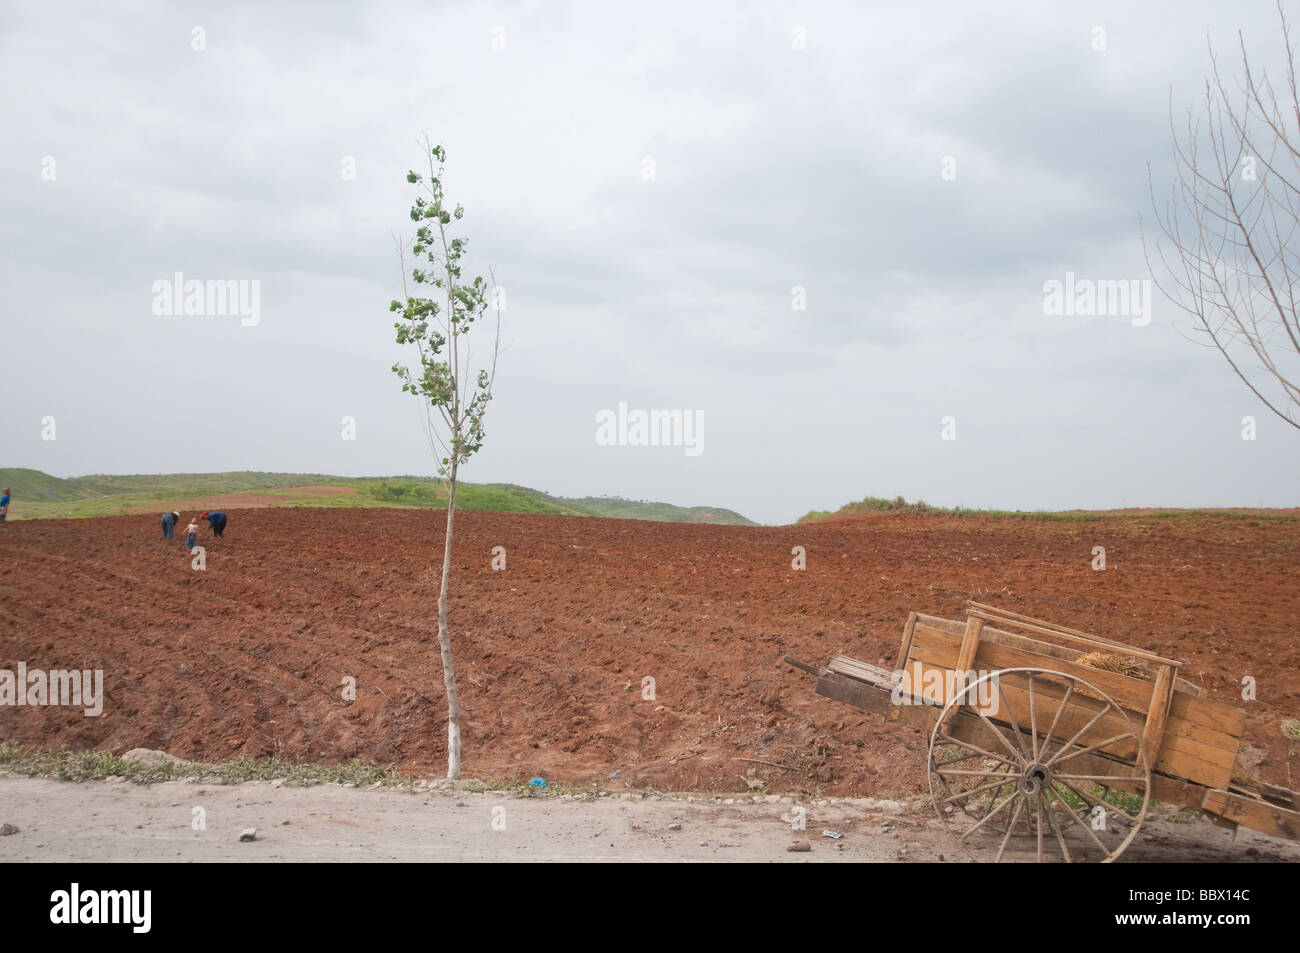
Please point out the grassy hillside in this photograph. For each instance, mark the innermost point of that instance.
(35, 486)
(497, 497)
(39, 495)
(875, 505)
(660, 512)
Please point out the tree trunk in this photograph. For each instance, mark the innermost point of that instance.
(444, 642)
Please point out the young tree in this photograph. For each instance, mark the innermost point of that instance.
(1231, 224)
(453, 396)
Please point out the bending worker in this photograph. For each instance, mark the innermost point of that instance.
(217, 521)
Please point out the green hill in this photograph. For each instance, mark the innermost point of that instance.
(37, 486)
(38, 495)
(659, 512)
(875, 505)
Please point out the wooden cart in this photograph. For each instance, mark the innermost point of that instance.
(1047, 743)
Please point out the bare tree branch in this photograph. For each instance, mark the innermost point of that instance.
(1226, 232)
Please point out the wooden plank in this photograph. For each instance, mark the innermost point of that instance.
(908, 629)
(930, 684)
(811, 669)
(877, 700)
(1182, 795)
(971, 603)
(1274, 794)
(934, 646)
(1158, 713)
(1020, 617)
(1094, 642)
(1131, 693)
(1209, 717)
(943, 625)
(864, 671)
(1022, 641)
(1016, 618)
(1253, 813)
(970, 644)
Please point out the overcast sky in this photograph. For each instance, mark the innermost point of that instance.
(791, 145)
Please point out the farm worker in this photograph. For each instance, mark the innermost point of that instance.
(169, 520)
(4, 505)
(217, 521)
(191, 532)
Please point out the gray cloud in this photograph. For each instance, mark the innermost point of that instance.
(775, 167)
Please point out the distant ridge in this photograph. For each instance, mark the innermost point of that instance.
(39, 495)
(879, 506)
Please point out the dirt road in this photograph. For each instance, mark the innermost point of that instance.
(114, 821)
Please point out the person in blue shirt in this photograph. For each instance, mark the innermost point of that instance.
(217, 521)
(169, 522)
(4, 505)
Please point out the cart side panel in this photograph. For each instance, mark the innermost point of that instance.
(1201, 738)
(1017, 640)
(874, 698)
(1254, 813)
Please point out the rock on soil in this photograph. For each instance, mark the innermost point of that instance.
(152, 757)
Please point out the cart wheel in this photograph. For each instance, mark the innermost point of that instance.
(1032, 764)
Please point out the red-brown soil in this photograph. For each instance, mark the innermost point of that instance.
(247, 657)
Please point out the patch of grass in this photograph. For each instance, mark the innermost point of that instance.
(64, 765)
(69, 765)
(1129, 803)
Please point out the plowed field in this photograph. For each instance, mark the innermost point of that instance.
(248, 656)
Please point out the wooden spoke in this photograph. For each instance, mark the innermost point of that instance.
(1000, 783)
(981, 774)
(1038, 828)
(988, 817)
(1033, 730)
(1010, 827)
(988, 806)
(1060, 838)
(1083, 731)
(974, 752)
(1084, 824)
(1093, 747)
(1065, 702)
(1015, 753)
(1011, 715)
(966, 744)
